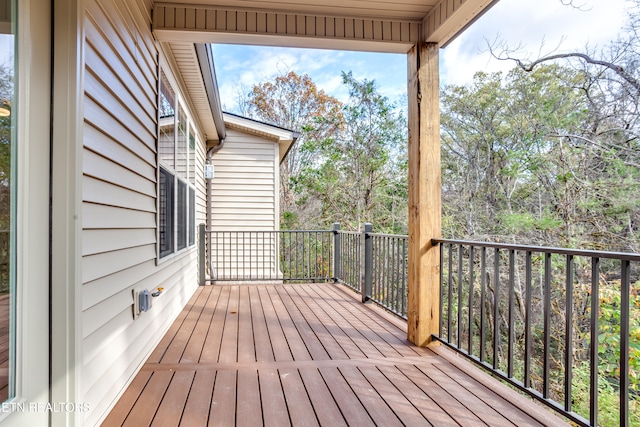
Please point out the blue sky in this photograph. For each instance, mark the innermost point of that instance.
(540, 26)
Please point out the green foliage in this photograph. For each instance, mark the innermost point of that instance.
(608, 399)
(359, 173)
(538, 158)
(609, 337)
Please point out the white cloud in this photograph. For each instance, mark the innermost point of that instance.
(538, 26)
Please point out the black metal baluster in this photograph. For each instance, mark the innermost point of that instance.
(624, 343)
(441, 327)
(527, 322)
(483, 296)
(568, 339)
(511, 314)
(459, 337)
(470, 342)
(450, 293)
(547, 324)
(496, 309)
(593, 349)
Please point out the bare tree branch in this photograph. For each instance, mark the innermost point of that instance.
(574, 5)
(603, 147)
(528, 67)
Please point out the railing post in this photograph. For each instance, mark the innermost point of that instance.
(367, 261)
(201, 255)
(337, 261)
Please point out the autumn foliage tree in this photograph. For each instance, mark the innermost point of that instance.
(359, 174)
(294, 102)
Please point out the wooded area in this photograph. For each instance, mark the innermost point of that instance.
(547, 154)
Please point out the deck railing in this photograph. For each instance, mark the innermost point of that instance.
(561, 325)
(374, 265)
(289, 256)
(549, 321)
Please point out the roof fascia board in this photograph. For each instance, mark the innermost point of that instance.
(285, 138)
(205, 60)
(449, 18)
(274, 132)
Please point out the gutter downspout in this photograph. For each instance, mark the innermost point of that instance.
(209, 215)
(208, 71)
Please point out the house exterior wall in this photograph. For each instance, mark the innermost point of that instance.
(119, 205)
(245, 199)
(245, 195)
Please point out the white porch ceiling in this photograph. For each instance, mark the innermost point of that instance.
(369, 25)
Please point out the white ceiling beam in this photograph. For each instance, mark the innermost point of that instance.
(207, 24)
(450, 17)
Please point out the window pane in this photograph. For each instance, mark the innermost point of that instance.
(181, 159)
(182, 214)
(192, 156)
(167, 123)
(166, 212)
(7, 200)
(192, 216)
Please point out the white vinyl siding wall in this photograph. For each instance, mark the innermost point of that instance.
(245, 195)
(119, 191)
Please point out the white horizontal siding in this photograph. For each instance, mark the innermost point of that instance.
(244, 197)
(244, 192)
(119, 217)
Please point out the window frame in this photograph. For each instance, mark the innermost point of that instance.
(177, 196)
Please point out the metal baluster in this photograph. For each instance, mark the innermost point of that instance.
(511, 315)
(527, 322)
(450, 293)
(593, 349)
(496, 297)
(624, 343)
(483, 296)
(459, 337)
(547, 324)
(441, 250)
(470, 343)
(568, 339)
(405, 273)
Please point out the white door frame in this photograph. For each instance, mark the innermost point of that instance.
(32, 83)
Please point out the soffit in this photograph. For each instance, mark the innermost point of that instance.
(413, 10)
(376, 25)
(183, 56)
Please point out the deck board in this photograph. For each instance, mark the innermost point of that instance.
(223, 403)
(196, 410)
(307, 355)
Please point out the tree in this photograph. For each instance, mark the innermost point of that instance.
(550, 157)
(546, 157)
(295, 102)
(619, 59)
(6, 127)
(359, 174)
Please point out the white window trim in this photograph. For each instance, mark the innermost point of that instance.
(190, 163)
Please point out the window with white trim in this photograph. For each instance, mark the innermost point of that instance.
(176, 175)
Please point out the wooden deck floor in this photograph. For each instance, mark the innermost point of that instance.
(307, 355)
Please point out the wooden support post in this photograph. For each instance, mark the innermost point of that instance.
(425, 200)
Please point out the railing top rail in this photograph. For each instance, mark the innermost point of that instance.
(544, 249)
(269, 231)
(393, 236)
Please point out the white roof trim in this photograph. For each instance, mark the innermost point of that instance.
(284, 137)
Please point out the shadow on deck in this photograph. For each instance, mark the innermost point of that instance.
(308, 355)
